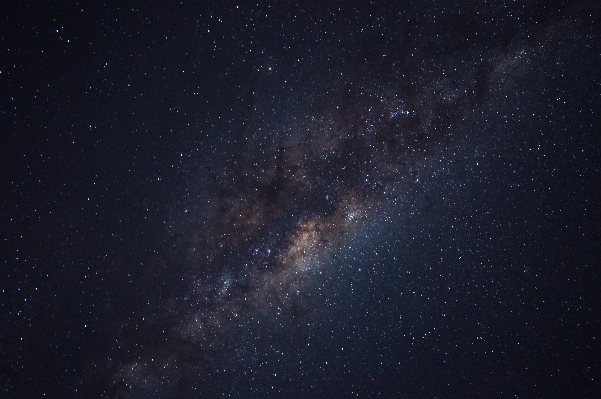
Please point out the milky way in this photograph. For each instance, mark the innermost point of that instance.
(261, 237)
(300, 199)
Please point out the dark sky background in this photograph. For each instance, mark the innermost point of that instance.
(315, 199)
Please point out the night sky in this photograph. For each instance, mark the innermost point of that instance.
(300, 200)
